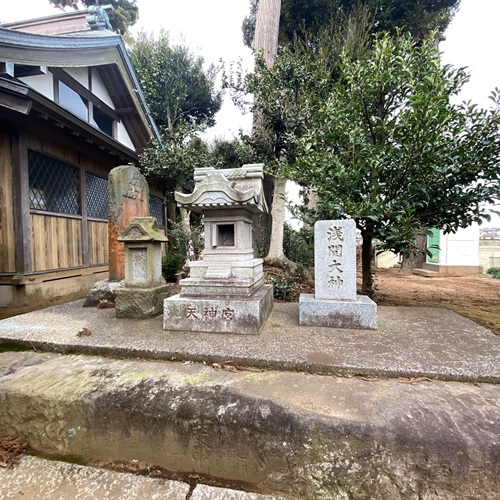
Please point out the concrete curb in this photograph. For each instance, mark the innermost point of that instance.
(303, 435)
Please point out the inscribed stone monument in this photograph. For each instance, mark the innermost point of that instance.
(128, 197)
(225, 292)
(335, 303)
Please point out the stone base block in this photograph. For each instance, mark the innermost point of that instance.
(193, 287)
(359, 313)
(213, 314)
(102, 290)
(140, 303)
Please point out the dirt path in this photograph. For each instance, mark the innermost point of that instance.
(476, 297)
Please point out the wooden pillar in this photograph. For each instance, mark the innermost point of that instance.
(20, 175)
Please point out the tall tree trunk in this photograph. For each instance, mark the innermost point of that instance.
(416, 259)
(276, 256)
(267, 29)
(312, 203)
(366, 262)
(266, 40)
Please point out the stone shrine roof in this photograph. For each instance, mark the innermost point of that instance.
(142, 229)
(228, 188)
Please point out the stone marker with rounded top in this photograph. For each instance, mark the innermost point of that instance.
(128, 197)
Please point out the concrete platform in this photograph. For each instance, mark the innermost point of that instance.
(409, 342)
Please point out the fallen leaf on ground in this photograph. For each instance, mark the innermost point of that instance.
(105, 304)
(11, 450)
(230, 367)
(84, 332)
(368, 379)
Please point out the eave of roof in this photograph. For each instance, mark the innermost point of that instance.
(45, 109)
(88, 49)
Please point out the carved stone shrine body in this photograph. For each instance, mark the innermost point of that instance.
(225, 292)
(335, 303)
(144, 287)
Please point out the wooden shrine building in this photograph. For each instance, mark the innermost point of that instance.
(71, 109)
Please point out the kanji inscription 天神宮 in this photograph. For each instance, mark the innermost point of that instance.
(209, 313)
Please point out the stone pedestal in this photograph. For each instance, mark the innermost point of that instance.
(359, 313)
(137, 303)
(335, 303)
(218, 314)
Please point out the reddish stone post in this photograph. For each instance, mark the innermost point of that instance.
(128, 197)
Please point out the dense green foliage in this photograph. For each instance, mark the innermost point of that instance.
(188, 246)
(494, 271)
(177, 88)
(390, 148)
(183, 99)
(124, 14)
(299, 246)
(283, 285)
(303, 17)
(171, 264)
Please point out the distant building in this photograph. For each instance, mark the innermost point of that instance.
(454, 253)
(71, 109)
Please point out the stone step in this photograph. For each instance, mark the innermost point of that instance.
(55, 480)
(298, 435)
(427, 273)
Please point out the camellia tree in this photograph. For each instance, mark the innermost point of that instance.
(390, 147)
(303, 27)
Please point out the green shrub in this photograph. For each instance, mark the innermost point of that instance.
(171, 264)
(283, 286)
(494, 271)
(298, 246)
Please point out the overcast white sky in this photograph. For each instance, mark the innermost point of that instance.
(213, 29)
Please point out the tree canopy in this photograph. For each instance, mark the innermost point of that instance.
(301, 17)
(389, 147)
(123, 15)
(176, 86)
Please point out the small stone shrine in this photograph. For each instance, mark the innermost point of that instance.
(225, 292)
(144, 287)
(335, 303)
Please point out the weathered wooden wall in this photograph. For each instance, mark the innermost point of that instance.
(56, 242)
(98, 243)
(7, 234)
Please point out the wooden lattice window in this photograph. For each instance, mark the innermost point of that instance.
(53, 185)
(96, 196)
